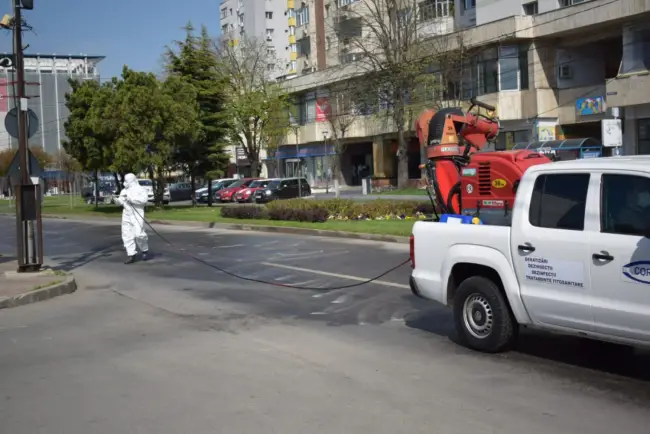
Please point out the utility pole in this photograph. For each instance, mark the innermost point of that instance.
(28, 195)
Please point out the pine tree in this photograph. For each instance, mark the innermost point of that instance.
(194, 61)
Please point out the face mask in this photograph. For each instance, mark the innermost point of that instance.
(643, 199)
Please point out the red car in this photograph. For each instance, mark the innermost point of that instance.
(228, 194)
(246, 194)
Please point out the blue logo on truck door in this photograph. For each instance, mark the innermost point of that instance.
(639, 271)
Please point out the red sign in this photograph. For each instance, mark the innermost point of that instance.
(322, 109)
(4, 97)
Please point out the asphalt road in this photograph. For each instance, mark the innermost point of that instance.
(173, 345)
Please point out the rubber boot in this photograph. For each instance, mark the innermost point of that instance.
(131, 260)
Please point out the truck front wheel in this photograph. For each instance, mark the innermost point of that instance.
(482, 317)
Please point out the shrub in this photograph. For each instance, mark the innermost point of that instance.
(244, 212)
(315, 211)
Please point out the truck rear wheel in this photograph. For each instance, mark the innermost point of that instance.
(482, 317)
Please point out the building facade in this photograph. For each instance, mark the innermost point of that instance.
(261, 20)
(554, 69)
(47, 84)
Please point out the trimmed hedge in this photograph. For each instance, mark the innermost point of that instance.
(250, 212)
(306, 210)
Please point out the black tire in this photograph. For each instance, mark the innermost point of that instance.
(495, 329)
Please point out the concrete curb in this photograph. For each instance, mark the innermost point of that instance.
(66, 287)
(258, 228)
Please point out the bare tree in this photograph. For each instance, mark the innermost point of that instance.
(257, 104)
(342, 114)
(403, 49)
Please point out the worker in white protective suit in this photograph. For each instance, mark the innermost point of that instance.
(133, 199)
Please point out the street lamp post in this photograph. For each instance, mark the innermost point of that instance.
(296, 129)
(329, 165)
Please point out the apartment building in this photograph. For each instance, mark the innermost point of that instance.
(261, 20)
(553, 68)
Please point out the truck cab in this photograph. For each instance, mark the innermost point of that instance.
(576, 258)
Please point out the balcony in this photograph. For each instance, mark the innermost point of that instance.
(628, 90)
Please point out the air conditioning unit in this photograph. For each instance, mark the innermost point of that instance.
(565, 71)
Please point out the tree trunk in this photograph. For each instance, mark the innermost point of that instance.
(159, 187)
(255, 168)
(193, 187)
(118, 184)
(402, 160)
(210, 198)
(96, 189)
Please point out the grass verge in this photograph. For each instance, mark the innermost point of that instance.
(402, 192)
(63, 206)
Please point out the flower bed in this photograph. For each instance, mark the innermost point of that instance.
(334, 209)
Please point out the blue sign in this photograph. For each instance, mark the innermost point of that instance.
(591, 154)
(639, 271)
(316, 150)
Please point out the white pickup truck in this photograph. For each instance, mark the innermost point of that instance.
(575, 259)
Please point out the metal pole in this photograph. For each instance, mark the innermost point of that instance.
(295, 131)
(27, 260)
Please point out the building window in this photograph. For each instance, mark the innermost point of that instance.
(508, 68)
(531, 8)
(567, 3)
(224, 29)
(432, 9)
(302, 16)
(559, 201)
(469, 4)
(328, 43)
(346, 2)
(270, 66)
(350, 28)
(269, 15)
(241, 19)
(269, 33)
(304, 46)
(350, 57)
(643, 136)
(292, 31)
(224, 13)
(293, 66)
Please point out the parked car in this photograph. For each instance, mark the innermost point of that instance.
(217, 186)
(248, 194)
(286, 188)
(180, 191)
(227, 194)
(147, 184)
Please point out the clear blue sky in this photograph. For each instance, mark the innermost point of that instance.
(131, 32)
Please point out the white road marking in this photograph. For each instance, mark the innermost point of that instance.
(341, 299)
(284, 277)
(340, 276)
(228, 247)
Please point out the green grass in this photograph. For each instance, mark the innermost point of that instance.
(63, 206)
(403, 192)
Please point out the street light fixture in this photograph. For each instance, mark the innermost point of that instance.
(329, 164)
(296, 129)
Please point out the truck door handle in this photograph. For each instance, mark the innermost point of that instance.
(525, 248)
(602, 257)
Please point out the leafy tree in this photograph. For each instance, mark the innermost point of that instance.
(89, 131)
(6, 156)
(194, 61)
(256, 103)
(152, 117)
(44, 159)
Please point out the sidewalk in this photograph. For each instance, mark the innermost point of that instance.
(17, 289)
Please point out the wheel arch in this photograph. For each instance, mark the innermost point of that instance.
(465, 261)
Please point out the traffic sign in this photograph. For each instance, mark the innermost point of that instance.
(35, 169)
(11, 123)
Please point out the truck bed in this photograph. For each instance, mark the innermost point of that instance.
(437, 246)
